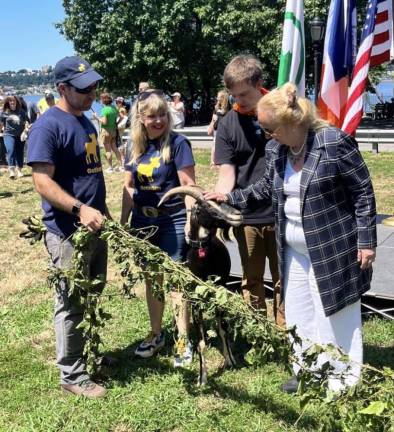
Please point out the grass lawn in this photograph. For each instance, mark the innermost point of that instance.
(144, 395)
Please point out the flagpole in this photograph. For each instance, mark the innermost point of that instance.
(389, 221)
(317, 28)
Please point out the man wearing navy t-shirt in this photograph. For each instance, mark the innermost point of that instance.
(67, 173)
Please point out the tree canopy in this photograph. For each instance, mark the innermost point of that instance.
(180, 45)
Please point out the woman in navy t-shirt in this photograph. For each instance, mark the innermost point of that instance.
(158, 160)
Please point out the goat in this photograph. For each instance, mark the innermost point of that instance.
(208, 256)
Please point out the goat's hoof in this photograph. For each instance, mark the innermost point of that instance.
(228, 364)
(202, 381)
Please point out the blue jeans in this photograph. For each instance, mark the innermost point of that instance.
(15, 148)
(170, 236)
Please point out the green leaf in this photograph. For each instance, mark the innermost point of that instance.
(221, 295)
(201, 290)
(374, 408)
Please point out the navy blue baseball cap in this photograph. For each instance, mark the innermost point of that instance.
(76, 71)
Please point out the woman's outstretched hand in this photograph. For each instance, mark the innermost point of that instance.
(215, 196)
(366, 257)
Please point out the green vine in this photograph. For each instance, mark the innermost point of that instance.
(369, 406)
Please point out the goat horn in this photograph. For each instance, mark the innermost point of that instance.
(194, 191)
(229, 214)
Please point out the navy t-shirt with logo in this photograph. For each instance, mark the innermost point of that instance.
(153, 177)
(69, 143)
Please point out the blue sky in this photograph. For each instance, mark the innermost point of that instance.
(29, 38)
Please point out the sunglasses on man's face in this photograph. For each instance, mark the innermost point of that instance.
(144, 95)
(85, 90)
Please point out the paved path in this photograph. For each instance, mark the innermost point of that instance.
(382, 285)
(369, 130)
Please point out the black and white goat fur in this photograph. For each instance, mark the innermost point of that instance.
(208, 257)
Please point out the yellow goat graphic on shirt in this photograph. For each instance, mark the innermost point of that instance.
(91, 150)
(145, 171)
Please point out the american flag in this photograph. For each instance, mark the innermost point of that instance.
(338, 60)
(375, 47)
(383, 35)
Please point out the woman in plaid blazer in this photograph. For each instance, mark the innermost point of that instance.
(325, 213)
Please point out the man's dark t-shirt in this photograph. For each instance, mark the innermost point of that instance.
(69, 143)
(241, 142)
(14, 122)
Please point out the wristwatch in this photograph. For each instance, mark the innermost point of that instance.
(76, 208)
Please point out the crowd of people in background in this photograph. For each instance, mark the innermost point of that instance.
(113, 120)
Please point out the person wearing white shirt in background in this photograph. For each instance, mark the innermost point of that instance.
(177, 110)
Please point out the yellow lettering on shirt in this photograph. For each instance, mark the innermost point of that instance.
(150, 188)
(94, 170)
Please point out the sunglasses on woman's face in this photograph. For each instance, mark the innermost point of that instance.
(145, 94)
(85, 90)
(268, 132)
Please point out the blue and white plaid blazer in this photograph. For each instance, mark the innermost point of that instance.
(337, 207)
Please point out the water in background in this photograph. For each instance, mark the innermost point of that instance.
(385, 89)
(96, 107)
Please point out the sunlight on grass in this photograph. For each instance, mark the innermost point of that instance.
(144, 395)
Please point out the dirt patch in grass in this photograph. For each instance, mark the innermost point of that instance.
(41, 340)
(122, 428)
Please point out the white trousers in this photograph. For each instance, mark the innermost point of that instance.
(304, 309)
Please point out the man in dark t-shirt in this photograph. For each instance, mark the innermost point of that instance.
(240, 153)
(67, 173)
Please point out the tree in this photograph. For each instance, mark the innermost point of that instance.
(180, 45)
(177, 44)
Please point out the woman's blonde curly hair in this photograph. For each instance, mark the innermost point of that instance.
(285, 107)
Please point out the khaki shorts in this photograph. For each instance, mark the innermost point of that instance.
(107, 137)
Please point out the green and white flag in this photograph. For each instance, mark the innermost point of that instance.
(292, 58)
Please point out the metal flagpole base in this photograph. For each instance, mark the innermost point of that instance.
(388, 221)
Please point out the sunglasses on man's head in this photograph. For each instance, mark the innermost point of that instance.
(145, 94)
(85, 90)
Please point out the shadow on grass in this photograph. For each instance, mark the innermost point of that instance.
(5, 194)
(10, 194)
(381, 217)
(378, 356)
(265, 402)
(131, 367)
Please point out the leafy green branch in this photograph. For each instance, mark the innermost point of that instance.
(368, 406)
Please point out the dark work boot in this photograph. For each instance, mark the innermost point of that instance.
(290, 386)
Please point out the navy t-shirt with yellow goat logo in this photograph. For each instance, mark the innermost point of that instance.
(69, 143)
(152, 176)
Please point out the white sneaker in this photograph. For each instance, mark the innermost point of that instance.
(183, 353)
(19, 172)
(11, 170)
(150, 345)
(109, 170)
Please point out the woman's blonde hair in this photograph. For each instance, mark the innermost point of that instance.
(153, 104)
(222, 103)
(285, 107)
